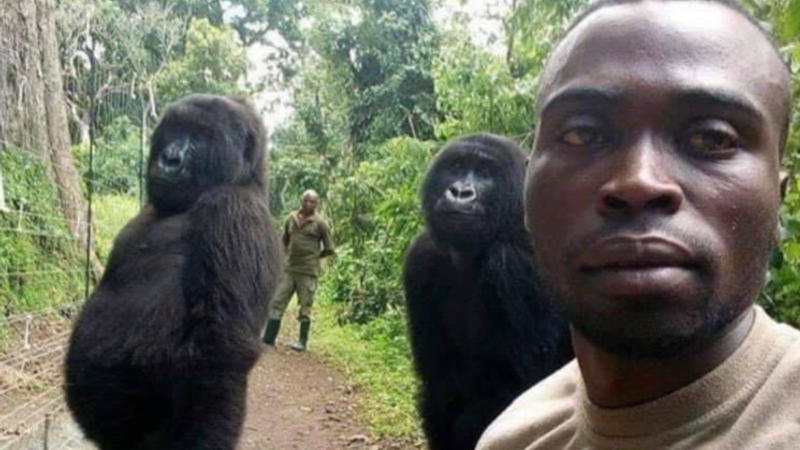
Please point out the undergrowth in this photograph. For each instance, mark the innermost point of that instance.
(112, 212)
(377, 357)
(41, 266)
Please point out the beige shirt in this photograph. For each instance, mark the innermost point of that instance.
(750, 401)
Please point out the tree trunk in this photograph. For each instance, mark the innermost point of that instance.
(23, 106)
(73, 204)
(34, 110)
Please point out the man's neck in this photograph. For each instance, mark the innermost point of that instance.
(613, 381)
(306, 214)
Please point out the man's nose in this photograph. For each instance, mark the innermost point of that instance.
(641, 179)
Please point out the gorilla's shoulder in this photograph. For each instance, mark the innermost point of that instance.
(423, 257)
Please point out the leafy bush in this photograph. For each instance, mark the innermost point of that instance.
(376, 214)
(40, 264)
(116, 159)
(290, 174)
(781, 298)
(476, 92)
(213, 62)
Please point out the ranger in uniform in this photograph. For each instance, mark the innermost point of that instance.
(306, 238)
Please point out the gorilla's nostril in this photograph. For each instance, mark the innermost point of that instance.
(169, 163)
(459, 192)
(464, 194)
(172, 157)
(171, 160)
(174, 160)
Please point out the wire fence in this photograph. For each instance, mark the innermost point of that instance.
(33, 413)
(45, 271)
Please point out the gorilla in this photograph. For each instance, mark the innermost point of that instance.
(159, 355)
(480, 332)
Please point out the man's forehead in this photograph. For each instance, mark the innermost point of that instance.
(704, 41)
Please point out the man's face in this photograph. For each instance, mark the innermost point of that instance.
(309, 204)
(653, 190)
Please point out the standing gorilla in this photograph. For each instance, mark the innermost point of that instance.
(479, 331)
(159, 356)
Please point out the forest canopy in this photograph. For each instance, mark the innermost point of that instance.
(358, 95)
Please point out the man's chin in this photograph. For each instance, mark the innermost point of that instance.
(638, 347)
(651, 337)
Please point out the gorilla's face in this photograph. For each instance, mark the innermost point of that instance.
(202, 141)
(473, 191)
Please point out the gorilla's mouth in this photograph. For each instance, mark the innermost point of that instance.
(169, 180)
(456, 209)
(471, 213)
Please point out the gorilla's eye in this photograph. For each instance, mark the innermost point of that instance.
(583, 136)
(456, 167)
(711, 136)
(483, 171)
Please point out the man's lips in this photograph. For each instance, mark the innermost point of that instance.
(637, 266)
(635, 252)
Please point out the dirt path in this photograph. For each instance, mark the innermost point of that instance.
(294, 401)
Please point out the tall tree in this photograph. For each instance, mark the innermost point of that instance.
(384, 50)
(35, 109)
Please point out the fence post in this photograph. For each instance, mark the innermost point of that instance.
(21, 212)
(47, 418)
(26, 344)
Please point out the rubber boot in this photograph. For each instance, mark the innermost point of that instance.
(273, 325)
(301, 343)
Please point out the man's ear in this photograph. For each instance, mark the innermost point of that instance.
(784, 179)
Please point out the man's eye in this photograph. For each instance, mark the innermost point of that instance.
(711, 136)
(581, 136)
(711, 141)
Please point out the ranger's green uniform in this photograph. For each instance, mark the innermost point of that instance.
(302, 238)
(306, 239)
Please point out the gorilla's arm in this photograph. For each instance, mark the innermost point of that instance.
(540, 350)
(230, 272)
(424, 266)
(227, 281)
(418, 282)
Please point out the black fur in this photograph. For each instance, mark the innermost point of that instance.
(479, 331)
(159, 357)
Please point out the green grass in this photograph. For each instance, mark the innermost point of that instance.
(111, 213)
(41, 264)
(376, 356)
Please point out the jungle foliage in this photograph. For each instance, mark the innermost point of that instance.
(375, 87)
